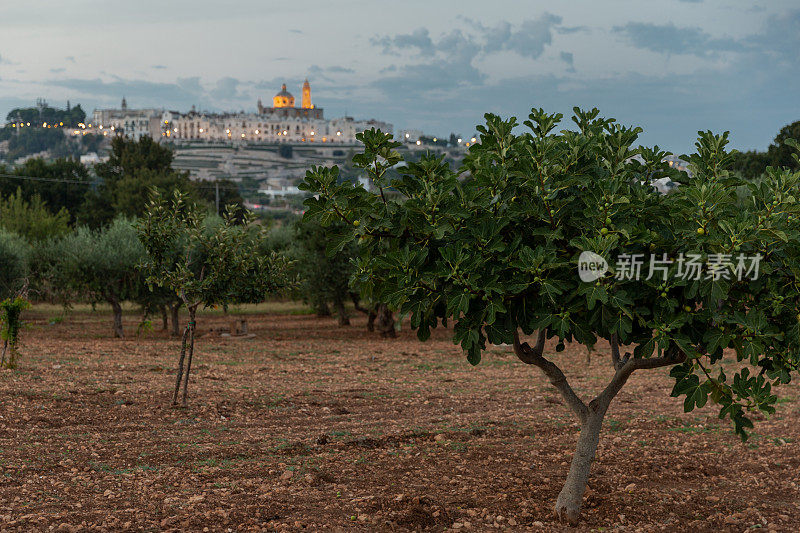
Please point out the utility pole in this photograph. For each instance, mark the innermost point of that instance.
(216, 183)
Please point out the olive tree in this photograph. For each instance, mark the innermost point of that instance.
(101, 265)
(323, 278)
(496, 248)
(14, 263)
(203, 265)
(10, 325)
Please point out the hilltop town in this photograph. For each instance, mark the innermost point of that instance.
(265, 150)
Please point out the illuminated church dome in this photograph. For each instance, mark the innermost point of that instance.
(283, 98)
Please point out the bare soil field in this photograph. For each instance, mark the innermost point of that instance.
(311, 426)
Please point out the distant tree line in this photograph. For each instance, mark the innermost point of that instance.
(44, 114)
(70, 233)
(753, 164)
(117, 187)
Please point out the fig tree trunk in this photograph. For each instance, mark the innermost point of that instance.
(116, 308)
(322, 309)
(569, 502)
(570, 499)
(190, 327)
(179, 375)
(164, 317)
(386, 321)
(338, 304)
(174, 310)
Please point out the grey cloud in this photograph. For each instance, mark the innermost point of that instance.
(671, 39)
(533, 36)
(337, 69)
(71, 59)
(569, 59)
(567, 30)
(226, 89)
(57, 70)
(447, 62)
(158, 67)
(528, 39)
(780, 38)
(419, 39)
(158, 94)
(191, 85)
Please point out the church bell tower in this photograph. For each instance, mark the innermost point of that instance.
(306, 101)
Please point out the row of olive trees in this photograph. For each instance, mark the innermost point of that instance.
(100, 266)
(82, 265)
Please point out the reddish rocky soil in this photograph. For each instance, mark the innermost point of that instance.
(309, 426)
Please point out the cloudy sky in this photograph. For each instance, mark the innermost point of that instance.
(671, 66)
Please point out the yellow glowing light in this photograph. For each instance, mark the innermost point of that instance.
(338, 133)
(407, 135)
(242, 135)
(44, 124)
(312, 133)
(473, 140)
(285, 132)
(418, 143)
(256, 132)
(459, 141)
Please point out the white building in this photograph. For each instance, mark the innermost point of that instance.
(283, 122)
(134, 123)
(280, 123)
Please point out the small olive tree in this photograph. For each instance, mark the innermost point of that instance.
(496, 247)
(102, 265)
(203, 265)
(14, 263)
(323, 278)
(10, 325)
